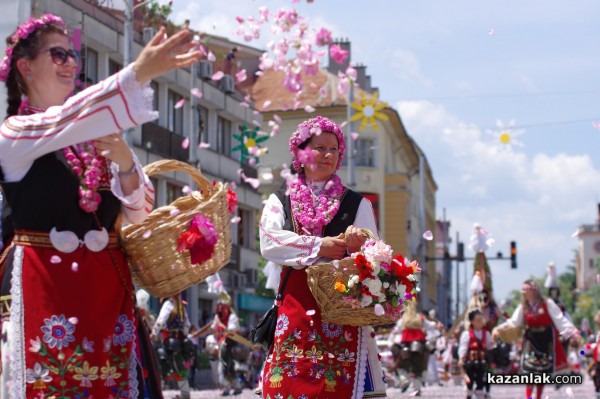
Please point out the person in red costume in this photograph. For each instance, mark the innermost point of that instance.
(473, 354)
(67, 177)
(543, 325)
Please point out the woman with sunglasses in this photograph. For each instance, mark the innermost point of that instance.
(67, 175)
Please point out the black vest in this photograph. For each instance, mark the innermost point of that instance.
(340, 222)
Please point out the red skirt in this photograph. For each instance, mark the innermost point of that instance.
(72, 327)
(311, 358)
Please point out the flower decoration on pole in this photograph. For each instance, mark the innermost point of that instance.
(248, 144)
(369, 111)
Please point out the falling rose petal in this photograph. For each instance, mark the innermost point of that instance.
(54, 259)
(241, 76)
(354, 136)
(491, 32)
(309, 109)
(218, 75)
(211, 57)
(174, 212)
(310, 312)
(147, 233)
(252, 161)
(105, 153)
(74, 266)
(235, 220)
(233, 185)
(244, 104)
(277, 118)
(336, 263)
(218, 284)
(196, 92)
(575, 234)
(180, 103)
(378, 309)
(186, 189)
(185, 143)
(344, 123)
(239, 19)
(569, 392)
(73, 320)
(597, 278)
(596, 125)
(428, 235)
(203, 145)
(256, 123)
(266, 105)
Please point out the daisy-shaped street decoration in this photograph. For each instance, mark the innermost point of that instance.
(249, 140)
(506, 135)
(368, 111)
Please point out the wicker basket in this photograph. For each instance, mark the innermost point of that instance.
(155, 263)
(509, 334)
(321, 281)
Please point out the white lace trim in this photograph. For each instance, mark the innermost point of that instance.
(16, 329)
(139, 96)
(361, 365)
(133, 381)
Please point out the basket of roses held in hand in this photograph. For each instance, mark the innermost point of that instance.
(367, 289)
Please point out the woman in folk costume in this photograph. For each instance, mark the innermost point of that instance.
(299, 227)
(410, 336)
(226, 321)
(66, 176)
(171, 328)
(543, 324)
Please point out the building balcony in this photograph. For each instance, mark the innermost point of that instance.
(162, 141)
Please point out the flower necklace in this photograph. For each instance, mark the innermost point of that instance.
(314, 213)
(84, 162)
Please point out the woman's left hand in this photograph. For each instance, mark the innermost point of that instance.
(114, 148)
(355, 238)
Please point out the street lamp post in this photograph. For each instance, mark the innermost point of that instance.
(350, 142)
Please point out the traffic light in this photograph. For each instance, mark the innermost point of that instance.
(513, 254)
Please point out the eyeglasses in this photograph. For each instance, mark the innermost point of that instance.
(60, 55)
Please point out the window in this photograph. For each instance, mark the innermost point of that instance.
(246, 234)
(202, 123)
(365, 152)
(113, 67)
(89, 65)
(175, 115)
(224, 136)
(173, 192)
(154, 182)
(154, 87)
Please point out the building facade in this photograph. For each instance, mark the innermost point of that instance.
(98, 33)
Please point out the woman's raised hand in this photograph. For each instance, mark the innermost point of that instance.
(159, 57)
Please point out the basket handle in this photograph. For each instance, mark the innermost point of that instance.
(366, 232)
(169, 165)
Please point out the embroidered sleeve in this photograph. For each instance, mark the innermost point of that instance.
(365, 217)
(282, 246)
(117, 103)
(163, 316)
(137, 205)
(563, 325)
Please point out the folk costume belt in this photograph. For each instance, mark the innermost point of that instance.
(67, 241)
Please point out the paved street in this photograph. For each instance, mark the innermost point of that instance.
(584, 391)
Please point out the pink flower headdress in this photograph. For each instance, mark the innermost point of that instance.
(309, 128)
(22, 33)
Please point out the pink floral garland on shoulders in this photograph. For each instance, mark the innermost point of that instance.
(314, 212)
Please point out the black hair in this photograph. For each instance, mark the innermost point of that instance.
(473, 313)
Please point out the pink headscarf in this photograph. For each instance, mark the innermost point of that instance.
(309, 128)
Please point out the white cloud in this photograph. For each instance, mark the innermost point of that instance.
(407, 66)
(537, 200)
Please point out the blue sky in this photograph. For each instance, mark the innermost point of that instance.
(452, 69)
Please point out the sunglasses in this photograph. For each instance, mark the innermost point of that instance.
(60, 55)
